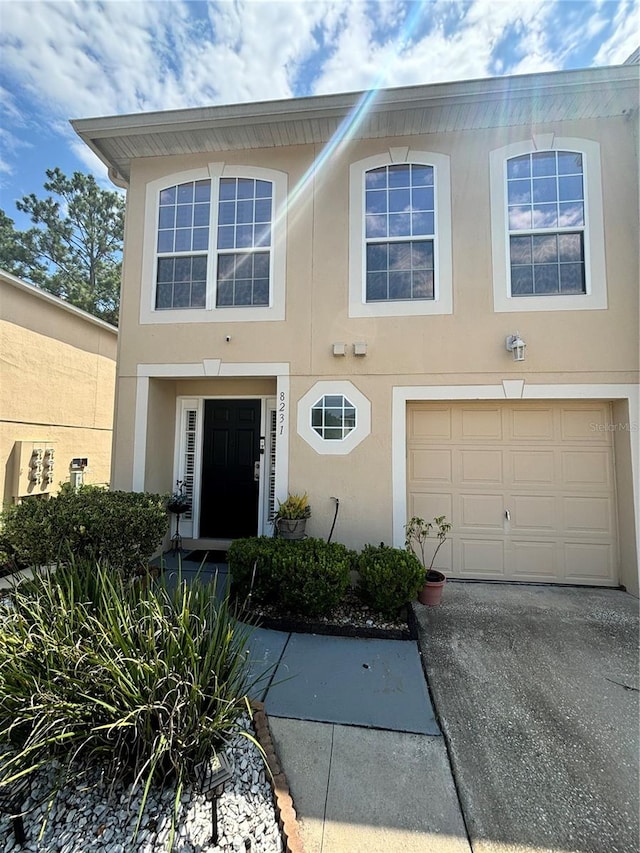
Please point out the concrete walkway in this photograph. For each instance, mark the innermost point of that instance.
(354, 728)
(360, 790)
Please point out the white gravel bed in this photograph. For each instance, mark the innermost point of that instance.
(84, 821)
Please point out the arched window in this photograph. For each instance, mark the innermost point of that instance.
(400, 235)
(219, 246)
(547, 225)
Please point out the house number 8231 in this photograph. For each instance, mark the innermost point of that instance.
(282, 409)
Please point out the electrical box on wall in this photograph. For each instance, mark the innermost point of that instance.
(34, 468)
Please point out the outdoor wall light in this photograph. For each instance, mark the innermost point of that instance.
(515, 345)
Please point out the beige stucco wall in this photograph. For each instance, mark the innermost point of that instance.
(581, 342)
(465, 348)
(57, 384)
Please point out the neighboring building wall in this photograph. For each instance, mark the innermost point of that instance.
(571, 354)
(57, 384)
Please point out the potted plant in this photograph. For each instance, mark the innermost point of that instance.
(417, 532)
(177, 503)
(291, 516)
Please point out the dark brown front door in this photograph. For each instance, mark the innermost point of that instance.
(229, 496)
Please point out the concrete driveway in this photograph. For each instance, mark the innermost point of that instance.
(536, 692)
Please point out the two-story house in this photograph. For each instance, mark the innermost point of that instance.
(419, 301)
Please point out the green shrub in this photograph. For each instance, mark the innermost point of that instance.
(121, 528)
(100, 672)
(389, 577)
(311, 576)
(308, 577)
(27, 532)
(244, 556)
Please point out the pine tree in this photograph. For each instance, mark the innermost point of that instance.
(75, 248)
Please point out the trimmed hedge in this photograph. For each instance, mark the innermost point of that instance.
(309, 578)
(389, 577)
(243, 555)
(120, 528)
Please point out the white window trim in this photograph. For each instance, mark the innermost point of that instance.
(278, 254)
(333, 447)
(594, 256)
(442, 303)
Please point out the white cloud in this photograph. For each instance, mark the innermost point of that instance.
(358, 62)
(625, 37)
(84, 58)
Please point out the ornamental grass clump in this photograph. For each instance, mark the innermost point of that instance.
(140, 682)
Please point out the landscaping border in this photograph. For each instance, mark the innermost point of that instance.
(333, 629)
(283, 802)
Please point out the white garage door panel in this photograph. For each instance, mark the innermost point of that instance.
(587, 468)
(482, 558)
(481, 466)
(481, 511)
(589, 514)
(532, 468)
(528, 486)
(533, 513)
(432, 466)
(584, 562)
(534, 561)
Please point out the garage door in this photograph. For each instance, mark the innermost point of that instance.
(529, 488)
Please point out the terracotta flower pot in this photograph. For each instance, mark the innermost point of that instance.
(431, 592)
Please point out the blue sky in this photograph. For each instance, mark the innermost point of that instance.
(80, 58)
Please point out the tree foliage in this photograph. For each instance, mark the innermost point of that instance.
(74, 251)
(16, 255)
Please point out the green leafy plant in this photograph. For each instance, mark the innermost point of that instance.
(179, 501)
(417, 532)
(389, 577)
(141, 682)
(308, 577)
(295, 506)
(311, 576)
(250, 566)
(121, 528)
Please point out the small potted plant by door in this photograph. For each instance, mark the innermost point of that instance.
(417, 532)
(291, 516)
(178, 503)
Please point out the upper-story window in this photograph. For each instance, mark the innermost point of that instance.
(244, 241)
(547, 225)
(400, 235)
(399, 232)
(545, 196)
(183, 241)
(218, 247)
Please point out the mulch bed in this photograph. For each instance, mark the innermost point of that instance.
(350, 619)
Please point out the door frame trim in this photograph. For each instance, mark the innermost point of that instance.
(508, 389)
(209, 369)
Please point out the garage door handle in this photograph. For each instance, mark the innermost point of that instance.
(507, 515)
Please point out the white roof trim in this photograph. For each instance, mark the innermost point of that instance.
(313, 119)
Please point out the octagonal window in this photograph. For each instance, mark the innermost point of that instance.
(333, 417)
